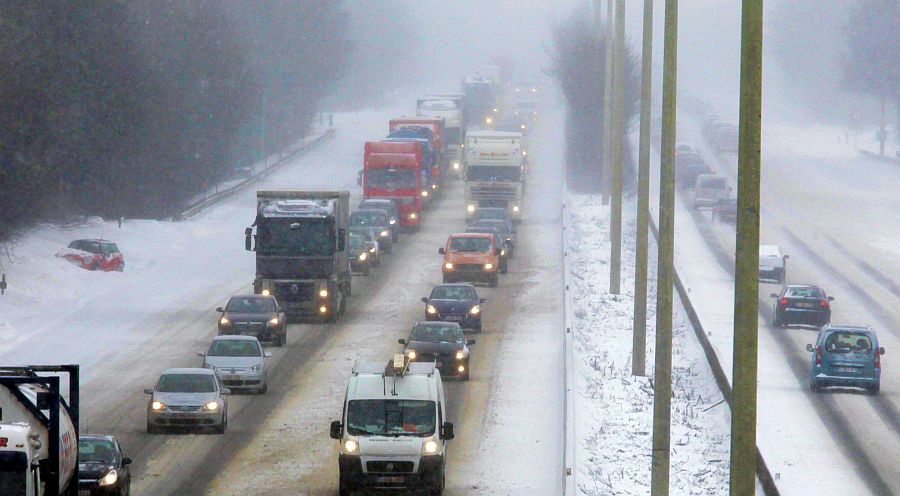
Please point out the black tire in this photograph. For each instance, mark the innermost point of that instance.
(874, 389)
(814, 386)
(152, 429)
(478, 328)
(279, 340)
(344, 488)
(221, 428)
(465, 376)
(388, 248)
(504, 267)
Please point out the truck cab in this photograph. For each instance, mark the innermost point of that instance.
(393, 431)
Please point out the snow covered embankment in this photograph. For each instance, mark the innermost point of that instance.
(613, 409)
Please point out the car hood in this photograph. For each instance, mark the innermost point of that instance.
(185, 399)
(250, 317)
(93, 470)
(390, 446)
(452, 306)
(427, 348)
(227, 362)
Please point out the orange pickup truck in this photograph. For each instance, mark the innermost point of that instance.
(471, 257)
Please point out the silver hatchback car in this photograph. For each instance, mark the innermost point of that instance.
(239, 361)
(189, 397)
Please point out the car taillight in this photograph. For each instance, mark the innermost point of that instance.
(877, 359)
(818, 355)
(823, 303)
(783, 302)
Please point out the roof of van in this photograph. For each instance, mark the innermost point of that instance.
(368, 382)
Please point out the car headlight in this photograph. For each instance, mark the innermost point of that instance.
(372, 250)
(522, 126)
(323, 293)
(392, 221)
(455, 165)
(323, 309)
(256, 368)
(524, 153)
(460, 355)
(496, 110)
(470, 208)
(411, 354)
(434, 186)
(502, 252)
(266, 292)
(224, 321)
(488, 266)
(431, 310)
(384, 234)
(110, 478)
(363, 256)
(274, 321)
(351, 446)
(489, 120)
(448, 266)
(424, 193)
(212, 406)
(413, 215)
(475, 310)
(515, 208)
(430, 447)
(157, 405)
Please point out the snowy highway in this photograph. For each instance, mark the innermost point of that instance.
(126, 328)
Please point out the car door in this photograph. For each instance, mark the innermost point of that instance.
(124, 470)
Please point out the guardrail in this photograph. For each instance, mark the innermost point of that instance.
(881, 158)
(570, 463)
(230, 191)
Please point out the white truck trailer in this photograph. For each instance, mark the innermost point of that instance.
(494, 171)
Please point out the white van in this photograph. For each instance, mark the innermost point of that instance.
(772, 263)
(394, 428)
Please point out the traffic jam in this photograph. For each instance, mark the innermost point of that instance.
(393, 430)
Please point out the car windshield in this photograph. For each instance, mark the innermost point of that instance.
(234, 348)
(363, 232)
(387, 206)
(250, 305)
(713, 183)
(374, 219)
(357, 243)
(848, 342)
(295, 237)
(494, 173)
(391, 417)
(186, 383)
(452, 293)
(436, 334)
(96, 450)
(390, 178)
(805, 293)
(470, 245)
(109, 248)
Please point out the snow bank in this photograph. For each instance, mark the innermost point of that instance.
(613, 409)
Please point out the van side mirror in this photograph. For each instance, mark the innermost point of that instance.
(267, 354)
(441, 251)
(482, 300)
(787, 257)
(359, 178)
(248, 234)
(402, 341)
(881, 350)
(424, 299)
(447, 431)
(201, 354)
(220, 309)
(810, 348)
(126, 461)
(225, 392)
(148, 391)
(470, 342)
(336, 428)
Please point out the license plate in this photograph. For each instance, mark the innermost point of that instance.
(845, 369)
(391, 480)
(232, 378)
(804, 305)
(454, 318)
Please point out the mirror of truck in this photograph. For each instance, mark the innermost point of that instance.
(225, 391)
(447, 431)
(881, 350)
(483, 300)
(470, 342)
(247, 243)
(359, 178)
(335, 429)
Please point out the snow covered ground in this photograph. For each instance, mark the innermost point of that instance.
(613, 408)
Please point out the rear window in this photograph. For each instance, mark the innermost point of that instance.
(806, 293)
(848, 342)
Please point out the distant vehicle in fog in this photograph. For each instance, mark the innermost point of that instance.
(471, 257)
(772, 263)
(725, 210)
(709, 189)
(94, 254)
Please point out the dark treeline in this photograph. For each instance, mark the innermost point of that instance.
(132, 108)
(578, 63)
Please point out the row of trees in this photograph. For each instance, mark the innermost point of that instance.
(579, 57)
(130, 108)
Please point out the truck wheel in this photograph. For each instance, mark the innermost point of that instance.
(388, 248)
(344, 488)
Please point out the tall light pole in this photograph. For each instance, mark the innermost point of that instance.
(746, 283)
(618, 148)
(639, 326)
(662, 386)
(607, 104)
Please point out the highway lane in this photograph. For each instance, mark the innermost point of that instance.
(808, 204)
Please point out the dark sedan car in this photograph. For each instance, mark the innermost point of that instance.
(454, 303)
(506, 230)
(803, 305)
(725, 210)
(102, 468)
(254, 315)
(390, 207)
(442, 342)
(377, 219)
(361, 260)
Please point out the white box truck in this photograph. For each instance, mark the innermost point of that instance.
(495, 171)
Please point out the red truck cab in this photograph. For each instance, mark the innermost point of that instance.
(394, 170)
(436, 125)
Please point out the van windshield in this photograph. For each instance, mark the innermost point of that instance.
(391, 418)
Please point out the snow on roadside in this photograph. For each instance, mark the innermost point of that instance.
(613, 409)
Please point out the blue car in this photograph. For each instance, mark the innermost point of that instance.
(455, 303)
(846, 356)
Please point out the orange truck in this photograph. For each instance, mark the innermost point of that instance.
(471, 257)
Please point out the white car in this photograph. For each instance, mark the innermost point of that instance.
(240, 363)
(772, 263)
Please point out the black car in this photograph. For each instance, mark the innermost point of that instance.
(454, 303)
(498, 240)
(361, 259)
(378, 220)
(507, 231)
(102, 469)
(801, 304)
(442, 342)
(390, 208)
(254, 315)
(725, 210)
(491, 213)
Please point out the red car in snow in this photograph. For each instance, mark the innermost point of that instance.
(94, 254)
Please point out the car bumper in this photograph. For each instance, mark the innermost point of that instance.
(808, 317)
(263, 334)
(185, 419)
(770, 272)
(824, 379)
(470, 276)
(250, 381)
(428, 474)
(359, 265)
(92, 488)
